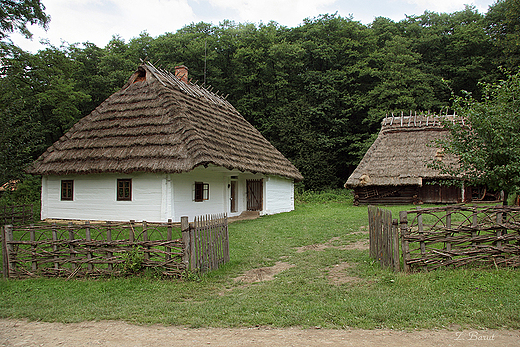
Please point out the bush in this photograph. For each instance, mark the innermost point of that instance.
(329, 195)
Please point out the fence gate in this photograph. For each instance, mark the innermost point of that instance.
(206, 242)
(255, 189)
(384, 237)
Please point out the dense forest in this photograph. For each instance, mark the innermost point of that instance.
(318, 91)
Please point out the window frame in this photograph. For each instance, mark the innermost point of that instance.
(123, 196)
(200, 191)
(67, 193)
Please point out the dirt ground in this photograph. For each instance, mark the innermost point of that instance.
(120, 334)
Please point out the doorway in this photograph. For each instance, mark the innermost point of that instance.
(255, 190)
(233, 197)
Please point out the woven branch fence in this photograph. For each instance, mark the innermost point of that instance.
(450, 236)
(108, 249)
(16, 214)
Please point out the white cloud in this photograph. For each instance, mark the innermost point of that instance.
(96, 21)
(286, 12)
(447, 6)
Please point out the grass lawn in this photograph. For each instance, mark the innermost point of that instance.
(329, 282)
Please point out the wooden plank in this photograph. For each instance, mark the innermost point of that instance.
(32, 237)
(226, 241)
(448, 226)
(420, 227)
(145, 239)
(474, 224)
(88, 237)
(378, 234)
(71, 245)
(169, 238)
(395, 245)
(55, 245)
(5, 258)
(109, 239)
(371, 231)
(386, 224)
(186, 243)
(403, 221)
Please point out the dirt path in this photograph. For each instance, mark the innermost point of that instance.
(119, 334)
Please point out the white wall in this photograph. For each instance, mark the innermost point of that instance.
(278, 195)
(95, 198)
(159, 197)
(183, 184)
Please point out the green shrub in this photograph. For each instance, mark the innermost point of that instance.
(329, 195)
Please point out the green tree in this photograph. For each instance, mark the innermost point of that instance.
(455, 48)
(39, 101)
(16, 14)
(487, 139)
(503, 26)
(402, 86)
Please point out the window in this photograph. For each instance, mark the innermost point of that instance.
(201, 192)
(67, 190)
(124, 190)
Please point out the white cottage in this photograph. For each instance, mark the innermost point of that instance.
(159, 149)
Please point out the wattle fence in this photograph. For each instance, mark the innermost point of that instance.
(431, 238)
(16, 214)
(115, 249)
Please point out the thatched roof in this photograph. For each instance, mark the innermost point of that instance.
(401, 152)
(161, 123)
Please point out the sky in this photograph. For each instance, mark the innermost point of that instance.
(97, 21)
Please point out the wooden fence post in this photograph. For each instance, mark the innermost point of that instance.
(395, 244)
(169, 238)
(90, 267)
(7, 249)
(474, 224)
(186, 242)
(145, 239)
(372, 231)
(378, 235)
(226, 240)
(55, 245)
(448, 226)
(385, 245)
(499, 231)
(369, 211)
(403, 220)
(109, 241)
(195, 245)
(32, 235)
(131, 232)
(71, 246)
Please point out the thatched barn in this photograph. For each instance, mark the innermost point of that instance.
(395, 168)
(161, 148)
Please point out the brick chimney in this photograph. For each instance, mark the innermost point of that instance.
(181, 72)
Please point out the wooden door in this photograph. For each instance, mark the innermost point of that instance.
(255, 189)
(233, 198)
